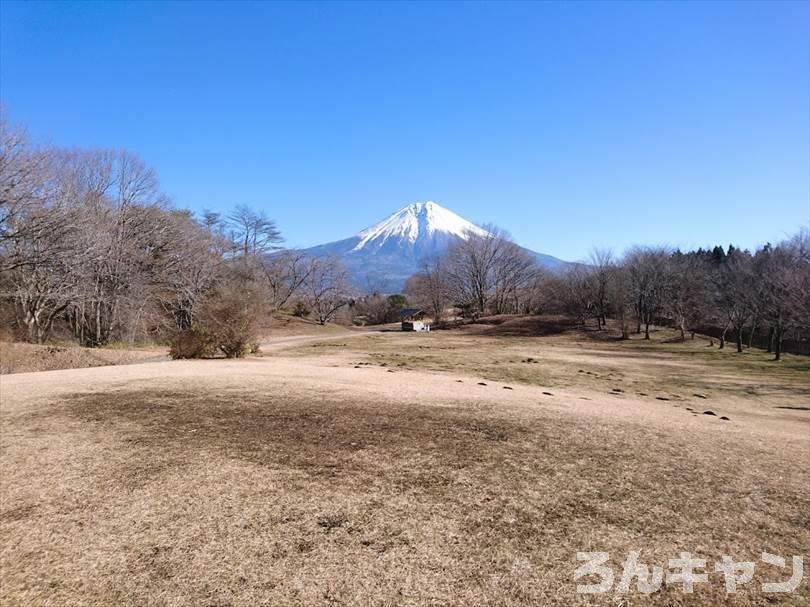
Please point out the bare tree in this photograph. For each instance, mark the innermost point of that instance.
(513, 273)
(486, 272)
(88, 241)
(24, 175)
(326, 288)
(429, 287)
(686, 298)
(252, 232)
(647, 272)
(620, 289)
(787, 288)
(732, 280)
(603, 266)
(30, 210)
(576, 292)
(285, 274)
(122, 229)
(189, 269)
(41, 283)
(36, 229)
(469, 270)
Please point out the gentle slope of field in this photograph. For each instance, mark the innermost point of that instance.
(550, 354)
(318, 476)
(26, 358)
(16, 357)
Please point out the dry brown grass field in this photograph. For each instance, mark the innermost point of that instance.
(26, 358)
(461, 467)
(17, 357)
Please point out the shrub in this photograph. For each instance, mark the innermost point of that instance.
(301, 309)
(227, 321)
(232, 315)
(192, 343)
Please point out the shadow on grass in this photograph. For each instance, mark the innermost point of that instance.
(518, 326)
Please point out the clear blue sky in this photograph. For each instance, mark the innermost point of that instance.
(570, 125)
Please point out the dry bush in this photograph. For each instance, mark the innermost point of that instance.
(192, 343)
(232, 316)
(227, 322)
(301, 309)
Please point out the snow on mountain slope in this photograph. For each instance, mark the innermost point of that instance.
(383, 256)
(415, 220)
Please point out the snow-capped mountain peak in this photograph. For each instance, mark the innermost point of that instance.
(383, 256)
(416, 220)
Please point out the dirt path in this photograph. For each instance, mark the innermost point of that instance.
(276, 344)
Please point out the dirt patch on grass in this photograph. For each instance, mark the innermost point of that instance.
(182, 496)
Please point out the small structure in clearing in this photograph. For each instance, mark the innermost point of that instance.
(413, 320)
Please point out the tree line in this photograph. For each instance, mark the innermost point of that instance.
(92, 249)
(733, 293)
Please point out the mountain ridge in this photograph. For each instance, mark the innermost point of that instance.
(383, 256)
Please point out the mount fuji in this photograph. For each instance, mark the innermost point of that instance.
(385, 255)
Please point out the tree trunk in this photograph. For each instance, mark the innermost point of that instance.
(45, 332)
(778, 344)
(32, 322)
(647, 329)
(98, 324)
(739, 339)
(771, 332)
